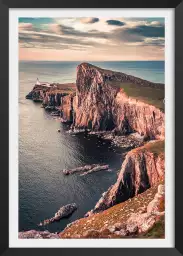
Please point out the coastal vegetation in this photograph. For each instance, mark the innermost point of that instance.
(147, 94)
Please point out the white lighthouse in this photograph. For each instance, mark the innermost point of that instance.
(37, 82)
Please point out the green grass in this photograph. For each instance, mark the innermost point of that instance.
(150, 95)
(157, 231)
(157, 148)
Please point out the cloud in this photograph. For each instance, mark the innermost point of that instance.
(31, 39)
(116, 23)
(155, 23)
(148, 30)
(157, 42)
(25, 26)
(160, 42)
(89, 20)
(70, 31)
(100, 39)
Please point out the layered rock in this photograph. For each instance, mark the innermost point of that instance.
(57, 96)
(142, 168)
(134, 115)
(67, 109)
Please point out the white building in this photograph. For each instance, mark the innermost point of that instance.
(42, 83)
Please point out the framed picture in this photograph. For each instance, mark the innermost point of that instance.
(89, 114)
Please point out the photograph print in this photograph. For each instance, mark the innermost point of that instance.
(91, 128)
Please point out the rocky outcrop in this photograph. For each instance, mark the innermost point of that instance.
(96, 169)
(86, 169)
(33, 234)
(63, 212)
(55, 97)
(101, 105)
(142, 168)
(144, 221)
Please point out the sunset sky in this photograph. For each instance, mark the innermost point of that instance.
(91, 39)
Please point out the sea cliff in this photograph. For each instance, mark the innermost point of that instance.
(103, 104)
(142, 168)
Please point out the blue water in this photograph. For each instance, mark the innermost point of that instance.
(43, 152)
(54, 71)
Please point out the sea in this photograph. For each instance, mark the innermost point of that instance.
(44, 153)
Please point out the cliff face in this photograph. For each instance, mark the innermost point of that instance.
(94, 99)
(67, 109)
(134, 115)
(101, 105)
(143, 168)
(59, 95)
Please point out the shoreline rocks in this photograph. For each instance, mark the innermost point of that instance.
(34, 234)
(63, 212)
(96, 169)
(128, 142)
(86, 169)
(77, 131)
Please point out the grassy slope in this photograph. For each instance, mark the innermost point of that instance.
(118, 213)
(156, 147)
(64, 88)
(153, 96)
(61, 88)
(157, 231)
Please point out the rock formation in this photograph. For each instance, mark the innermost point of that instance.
(63, 212)
(141, 169)
(87, 169)
(33, 234)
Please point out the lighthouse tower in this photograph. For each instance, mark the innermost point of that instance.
(37, 82)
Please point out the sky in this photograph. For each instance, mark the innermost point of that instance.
(91, 39)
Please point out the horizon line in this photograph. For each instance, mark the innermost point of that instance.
(88, 61)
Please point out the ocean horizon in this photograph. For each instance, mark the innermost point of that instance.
(153, 71)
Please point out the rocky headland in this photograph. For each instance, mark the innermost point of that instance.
(129, 111)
